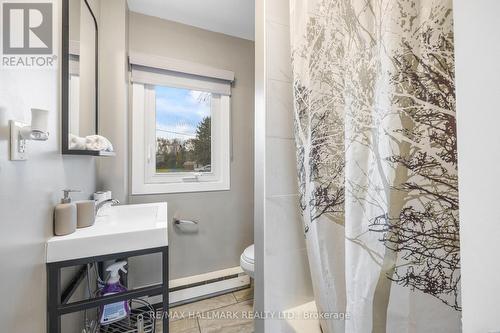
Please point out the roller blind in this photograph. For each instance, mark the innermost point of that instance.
(157, 70)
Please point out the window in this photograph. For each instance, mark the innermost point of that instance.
(183, 130)
(180, 133)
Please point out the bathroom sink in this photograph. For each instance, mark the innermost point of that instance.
(117, 229)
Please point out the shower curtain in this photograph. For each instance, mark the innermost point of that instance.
(376, 143)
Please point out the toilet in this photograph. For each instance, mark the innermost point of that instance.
(247, 261)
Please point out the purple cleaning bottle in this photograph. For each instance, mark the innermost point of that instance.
(114, 312)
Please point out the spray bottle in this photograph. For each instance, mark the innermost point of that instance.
(111, 313)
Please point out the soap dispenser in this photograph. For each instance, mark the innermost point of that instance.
(65, 215)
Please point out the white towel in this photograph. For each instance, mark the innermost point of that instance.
(98, 142)
(76, 142)
(91, 142)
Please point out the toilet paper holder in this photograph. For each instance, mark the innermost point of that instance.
(184, 222)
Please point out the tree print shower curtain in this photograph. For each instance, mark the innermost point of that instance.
(377, 161)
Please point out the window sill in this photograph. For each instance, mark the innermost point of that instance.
(187, 187)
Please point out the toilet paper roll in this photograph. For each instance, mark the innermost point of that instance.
(85, 211)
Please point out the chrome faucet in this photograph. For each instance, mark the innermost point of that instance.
(104, 202)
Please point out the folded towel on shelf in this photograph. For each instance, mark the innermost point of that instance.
(98, 142)
(91, 142)
(76, 142)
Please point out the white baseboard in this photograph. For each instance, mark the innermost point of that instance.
(185, 281)
(219, 287)
(202, 290)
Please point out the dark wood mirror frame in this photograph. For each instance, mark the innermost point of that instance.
(65, 86)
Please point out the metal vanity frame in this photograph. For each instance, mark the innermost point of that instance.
(57, 299)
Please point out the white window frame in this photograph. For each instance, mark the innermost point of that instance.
(145, 180)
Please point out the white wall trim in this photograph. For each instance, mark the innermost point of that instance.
(201, 291)
(181, 66)
(208, 289)
(185, 281)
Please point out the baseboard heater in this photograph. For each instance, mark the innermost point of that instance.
(198, 287)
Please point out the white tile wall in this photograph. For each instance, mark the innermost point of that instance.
(277, 11)
(279, 122)
(288, 279)
(286, 225)
(281, 173)
(278, 62)
(477, 50)
(286, 270)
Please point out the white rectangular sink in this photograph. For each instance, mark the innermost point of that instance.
(117, 229)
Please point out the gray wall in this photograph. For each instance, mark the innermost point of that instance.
(113, 96)
(281, 249)
(477, 54)
(225, 217)
(28, 192)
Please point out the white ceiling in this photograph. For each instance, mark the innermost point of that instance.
(230, 17)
